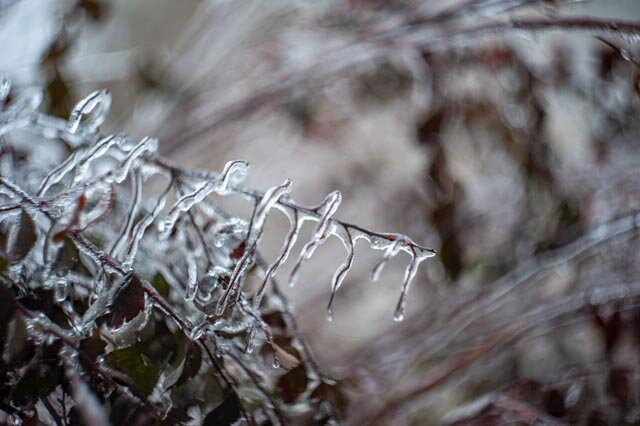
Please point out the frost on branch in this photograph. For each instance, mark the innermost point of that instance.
(144, 274)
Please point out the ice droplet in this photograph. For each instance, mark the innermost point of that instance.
(60, 289)
(198, 330)
(398, 316)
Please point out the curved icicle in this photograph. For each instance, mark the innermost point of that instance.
(289, 242)
(271, 197)
(341, 272)
(206, 188)
(133, 210)
(140, 228)
(237, 169)
(320, 234)
(79, 163)
(98, 103)
(146, 144)
(409, 274)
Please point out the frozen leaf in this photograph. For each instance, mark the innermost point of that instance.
(286, 360)
(142, 373)
(128, 302)
(126, 411)
(91, 347)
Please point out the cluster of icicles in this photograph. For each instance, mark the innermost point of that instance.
(139, 160)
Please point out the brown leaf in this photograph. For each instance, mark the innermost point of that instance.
(237, 253)
(287, 361)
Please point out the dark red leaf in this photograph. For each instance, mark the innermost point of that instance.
(128, 302)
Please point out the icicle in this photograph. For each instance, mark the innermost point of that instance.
(80, 162)
(201, 192)
(232, 173)
(97, 151)
(392, 250)
(125, 230)
(258, 219)
(342, 271)
(146, 144)
(271, 197)
(192, 274)
(290, 241)
(97, 103)
(183, 204)
(141, 227)
(321, 233)
(409, 274)
(250, 339)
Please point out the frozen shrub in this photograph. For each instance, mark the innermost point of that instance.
(123, 282)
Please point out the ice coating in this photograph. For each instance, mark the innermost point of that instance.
(320, 234)
(97, 104)
(147, 144)
(125, 231)
(219, 185)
